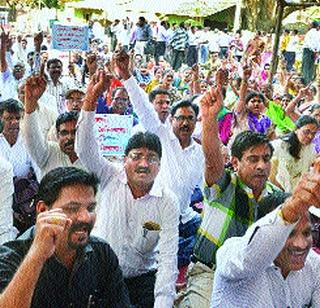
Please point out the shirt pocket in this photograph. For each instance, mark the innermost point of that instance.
(146, 240)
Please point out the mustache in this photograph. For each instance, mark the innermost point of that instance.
(70, 142)
(142, 170)
(80, 226)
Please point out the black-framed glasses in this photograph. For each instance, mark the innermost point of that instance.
(182, 118)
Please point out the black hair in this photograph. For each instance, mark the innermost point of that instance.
(246, 140)
(115, 90)
(271, 202)
(66, 117)
(144, 140)
(11, 105)
(184, 103)
(54, 60)
(294, 145)
(30, 54)
(314, 107)
(55, 180)
(287, 95)
(154, 93)
(253, 94)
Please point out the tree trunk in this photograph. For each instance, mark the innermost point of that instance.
(258, 15)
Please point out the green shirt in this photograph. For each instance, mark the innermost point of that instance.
(278, 116)
(229, 209)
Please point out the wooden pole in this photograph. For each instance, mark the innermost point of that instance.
(275, 58)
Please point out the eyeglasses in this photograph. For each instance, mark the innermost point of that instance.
(309, 132)
(181, 119)
(151, 159)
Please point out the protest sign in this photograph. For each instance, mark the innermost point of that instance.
(113, 132)
(68, 38)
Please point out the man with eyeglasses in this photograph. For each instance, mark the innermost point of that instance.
(183, 160)
(138, 216)
(48, 154)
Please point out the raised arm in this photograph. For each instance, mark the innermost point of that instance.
(138, 97)
(4, 37)
(37, 146)
(210, 105)
(86, 145)
(291, 109)
(19, 291)
(241, 106)
(248, 256)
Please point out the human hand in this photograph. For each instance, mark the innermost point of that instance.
(92, 63)
(99, 82)
(120, 64)
(195, 70)
(4, 38)
(34, 88)
(211, 103)
(38, 39)
(247, 71)
(306, 194)
(49, 225)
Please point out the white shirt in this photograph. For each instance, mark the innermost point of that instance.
(293, 44)
(120, 218)
(204, 37)
(59, 90)
(224, 39)
(246, 276)
(8, 85)
(193, 38)
(7, 231)
(181, 169)
(312, 40)
(46, 154)
(48, 119)
(17, 155)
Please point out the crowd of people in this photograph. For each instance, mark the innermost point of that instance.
(214, 202)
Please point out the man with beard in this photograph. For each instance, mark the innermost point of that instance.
(57, 263)
(272, 265)
(183, 160)
(48, 155)
(138, 216)
(233, 197)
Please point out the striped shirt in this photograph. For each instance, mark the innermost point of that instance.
(179, 39)
(229, 209)
(246, 275)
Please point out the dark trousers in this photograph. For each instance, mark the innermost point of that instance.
(177, 59)
(192, 56)
(308, 67)
(141, 290)
(223, 52)
(187, 240)
(290, 58)
(159, 51)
